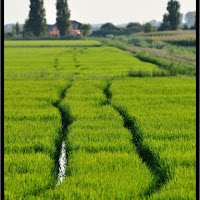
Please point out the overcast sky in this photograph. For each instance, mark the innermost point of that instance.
(98, 11)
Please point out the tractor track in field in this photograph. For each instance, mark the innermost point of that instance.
(56, 60)
(61, 153)
(160, 171)
(74, 57)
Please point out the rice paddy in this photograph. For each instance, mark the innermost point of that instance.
(123, 137)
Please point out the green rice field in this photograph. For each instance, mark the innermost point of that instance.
(78, 126)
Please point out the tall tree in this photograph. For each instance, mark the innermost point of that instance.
(36, 22)
(174, 16)
(14, 30)
(63, 17)
(171, 20)
(17, 28)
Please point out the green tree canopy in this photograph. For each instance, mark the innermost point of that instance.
(108, 26)
(171, 21)
(165, 25)
(185, 27)
(148, 28)
(17, 28)
(85, 29)
(36, 22)
(13, 30)
(173, 8)
(133, 25)
(63, 17)
(26, 29)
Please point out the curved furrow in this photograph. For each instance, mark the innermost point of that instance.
(157, 167)
(61, 153)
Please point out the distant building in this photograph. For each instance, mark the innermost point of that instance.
(55, 31)
(73, 30)
(75, 25)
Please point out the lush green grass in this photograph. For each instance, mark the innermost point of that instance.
(103, 162)
(164, 109)
(52, 43)
(32, 134)
(172, 68)
(66, 62)
(128, 138)
(161, 48)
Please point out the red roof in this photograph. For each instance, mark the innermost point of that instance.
(71, 32)
(54, 32)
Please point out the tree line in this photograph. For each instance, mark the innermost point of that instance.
(171, 21)
(36, 24)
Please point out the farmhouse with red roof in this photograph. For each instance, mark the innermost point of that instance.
(55, 31)
(73, 30)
